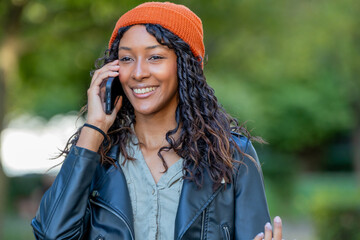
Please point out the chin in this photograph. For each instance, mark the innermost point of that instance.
(145, 110)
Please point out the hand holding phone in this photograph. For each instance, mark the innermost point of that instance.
(96, 100)
(113, 89)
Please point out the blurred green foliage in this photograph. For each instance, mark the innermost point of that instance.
(290, 66)
(16, 228)
(336, 216)
(22, 187)
(329, 203)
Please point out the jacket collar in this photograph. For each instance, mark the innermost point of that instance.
(193, 200)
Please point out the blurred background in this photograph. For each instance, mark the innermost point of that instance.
(289, 69)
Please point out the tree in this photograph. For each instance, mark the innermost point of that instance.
(293, 68)
(9, 63)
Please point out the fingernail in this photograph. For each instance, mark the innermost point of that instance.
(277, 219)
(260, 235)
(268, 226)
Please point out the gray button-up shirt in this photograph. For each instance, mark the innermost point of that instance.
(154, 205)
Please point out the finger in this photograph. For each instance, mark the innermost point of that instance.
(259, 236)
(112, 63)
(102, 76)
(277, 228)
(105, 68)
(112, 66)
(102, 72)
(102, 93)
(268, 231)
(118, 104)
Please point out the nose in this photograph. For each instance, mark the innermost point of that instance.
(141, 70)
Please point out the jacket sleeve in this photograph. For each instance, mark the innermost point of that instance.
(251, 209)
(63, 207)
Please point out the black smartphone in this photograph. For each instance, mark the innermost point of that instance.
(113, 89)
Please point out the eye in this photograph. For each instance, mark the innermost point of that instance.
(156, 57)
(125, 59)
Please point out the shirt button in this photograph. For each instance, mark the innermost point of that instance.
(100, 237)
(153, 192)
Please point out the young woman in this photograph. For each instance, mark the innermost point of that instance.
(168, 162)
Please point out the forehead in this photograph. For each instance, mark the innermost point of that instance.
(137, 35)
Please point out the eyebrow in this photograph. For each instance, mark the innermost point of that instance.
(124, 48)
(155, 46)
(149, 47)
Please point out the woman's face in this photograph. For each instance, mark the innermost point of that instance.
(148, 72)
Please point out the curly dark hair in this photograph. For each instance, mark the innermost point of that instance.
(204, 127)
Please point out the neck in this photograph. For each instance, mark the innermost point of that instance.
(151, 130)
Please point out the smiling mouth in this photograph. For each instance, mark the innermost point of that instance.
(144, 90)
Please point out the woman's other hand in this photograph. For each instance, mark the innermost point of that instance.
(90, 138)
(269, 233)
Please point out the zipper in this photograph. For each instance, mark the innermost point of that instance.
(226, 231)
(115, 213)
(202, 224)
(181, 234)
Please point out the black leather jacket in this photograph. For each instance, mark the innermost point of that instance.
(91, 201)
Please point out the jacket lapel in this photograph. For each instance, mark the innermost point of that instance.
(193, 201)
(111, 182)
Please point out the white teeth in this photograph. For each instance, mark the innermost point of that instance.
(144, 90)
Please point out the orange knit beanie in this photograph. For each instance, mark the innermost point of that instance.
(177, 18)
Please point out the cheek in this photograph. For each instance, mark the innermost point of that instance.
(123, 76)
(168, 74)
(124, 80)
